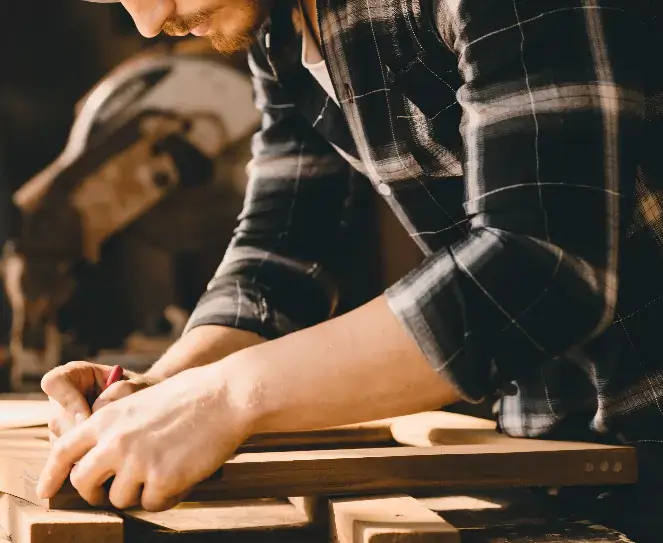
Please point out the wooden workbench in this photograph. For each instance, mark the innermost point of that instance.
(498, 517)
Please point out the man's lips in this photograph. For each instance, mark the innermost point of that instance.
(203, 28)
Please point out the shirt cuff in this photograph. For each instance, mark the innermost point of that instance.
(430, 303)
(243, 308)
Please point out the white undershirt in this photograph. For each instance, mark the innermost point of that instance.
(314, 63)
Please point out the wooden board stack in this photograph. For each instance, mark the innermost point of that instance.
(380, 465)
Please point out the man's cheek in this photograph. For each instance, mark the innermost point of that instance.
(149, 15)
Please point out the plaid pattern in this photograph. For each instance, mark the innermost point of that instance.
(507, 136)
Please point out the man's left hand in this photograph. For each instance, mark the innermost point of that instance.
(157, 444)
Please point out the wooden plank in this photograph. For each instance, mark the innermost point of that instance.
(21, 434)
(224, 516)
(27, 523)
(388, 519)
(23, 413)
(367, 471)
(496, 461)
(366, 434)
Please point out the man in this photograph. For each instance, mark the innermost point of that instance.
(507, 136)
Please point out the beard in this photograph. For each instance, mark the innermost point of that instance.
(240, 31)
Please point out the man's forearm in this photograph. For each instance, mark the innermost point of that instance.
(358, 367)
(201, 346)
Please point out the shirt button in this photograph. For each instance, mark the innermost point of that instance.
(384, 189)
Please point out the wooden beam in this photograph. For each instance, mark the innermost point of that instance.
(27, 523)
(390, 519)
(366, 434)
(490, 460)
(366, 471)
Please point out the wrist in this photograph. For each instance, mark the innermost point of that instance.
(240, 388)
(199, 347)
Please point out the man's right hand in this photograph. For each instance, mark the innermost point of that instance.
(75, 391)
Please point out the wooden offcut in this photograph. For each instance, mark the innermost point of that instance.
(27, 523)
(267, 514)
(388, 519)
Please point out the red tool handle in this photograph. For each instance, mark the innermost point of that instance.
(114, 377)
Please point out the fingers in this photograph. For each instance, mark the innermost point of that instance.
(68, 450)
(89, 475)
(119, 390)
(69, 385)
(126, 489)
(154, 500)
(60, 421)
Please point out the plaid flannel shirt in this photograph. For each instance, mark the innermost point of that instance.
(507, 136)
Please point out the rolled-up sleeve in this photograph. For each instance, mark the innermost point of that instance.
(277, 275)
(553, 108)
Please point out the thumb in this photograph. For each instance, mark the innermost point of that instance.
(59, 387)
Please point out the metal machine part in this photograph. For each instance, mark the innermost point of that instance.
(155, 128)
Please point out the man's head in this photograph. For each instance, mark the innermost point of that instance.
(229, 24)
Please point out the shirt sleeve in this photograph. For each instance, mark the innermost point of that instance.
(276, 276)
(553, 108)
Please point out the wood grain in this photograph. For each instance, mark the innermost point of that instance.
(27, 523)
(367, 434)
(397, 469)
(490, 460)
(225, 516)
(388, 519)
(23, 413)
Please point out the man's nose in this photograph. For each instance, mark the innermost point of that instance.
(149, 15)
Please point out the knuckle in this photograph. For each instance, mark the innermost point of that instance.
(77, 480)
(155, 504)
(122, 501)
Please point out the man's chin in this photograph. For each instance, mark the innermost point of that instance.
(228, 45)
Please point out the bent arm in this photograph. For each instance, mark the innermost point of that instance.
(278, 273)
(551, 133)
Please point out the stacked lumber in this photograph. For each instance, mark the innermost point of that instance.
(369, 482)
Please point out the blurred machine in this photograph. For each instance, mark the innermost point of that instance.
(152, 176)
